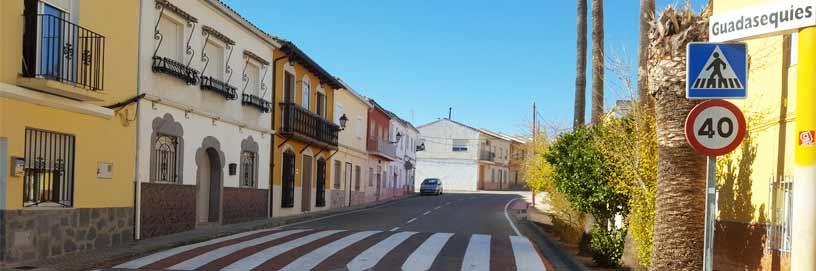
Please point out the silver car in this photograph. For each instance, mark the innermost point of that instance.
(431, 186)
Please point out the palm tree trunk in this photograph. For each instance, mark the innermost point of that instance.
(597, 62)
(647, 13)
(580, 67)
(680, 199)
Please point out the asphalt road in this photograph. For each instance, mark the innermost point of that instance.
(467, 231)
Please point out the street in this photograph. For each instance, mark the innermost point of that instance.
(447, 232)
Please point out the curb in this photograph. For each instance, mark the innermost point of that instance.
(552, 251)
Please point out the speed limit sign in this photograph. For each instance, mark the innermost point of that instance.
(715, 127)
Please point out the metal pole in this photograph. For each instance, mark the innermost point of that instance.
(711, 213)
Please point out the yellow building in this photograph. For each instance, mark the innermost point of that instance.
(67, 136)
(306, 135)
(349, 181)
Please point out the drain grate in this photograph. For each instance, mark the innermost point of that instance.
(25, 267)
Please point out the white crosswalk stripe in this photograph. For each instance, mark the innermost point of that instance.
(424, 256)
(526, 256)
(477, 255)
(302, 249)
(259, 258)
(309, 261)
(371, 256)
(208, 257)
(139, 263)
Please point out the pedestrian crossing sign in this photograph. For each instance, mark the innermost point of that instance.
(716, 70)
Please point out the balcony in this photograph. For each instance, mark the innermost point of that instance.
(382, 148)
(175, 69)
(251, 100)
(223, 88)
(304, 125)
(62, 58)
(487, 156)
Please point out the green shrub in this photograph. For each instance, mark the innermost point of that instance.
(607, 246)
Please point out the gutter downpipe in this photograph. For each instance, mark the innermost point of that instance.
(273, 153)
(137, 210)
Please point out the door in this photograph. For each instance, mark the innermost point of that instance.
(348, 184)
(306, 184)
(209, 189)
(379, 181)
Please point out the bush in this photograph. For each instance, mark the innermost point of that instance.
(606, 246)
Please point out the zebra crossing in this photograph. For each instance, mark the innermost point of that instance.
(310, 249)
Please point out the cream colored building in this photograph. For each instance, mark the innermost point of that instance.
(351, 160)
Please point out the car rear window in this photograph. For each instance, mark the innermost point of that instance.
(430, 181)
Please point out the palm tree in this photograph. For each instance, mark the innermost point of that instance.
(580, 67)
(597, 61)
(647, 13)
(681, 172)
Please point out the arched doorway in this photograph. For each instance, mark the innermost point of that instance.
(210, 182)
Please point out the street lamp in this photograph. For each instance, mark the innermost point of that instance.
(343, 121)
(398, 138)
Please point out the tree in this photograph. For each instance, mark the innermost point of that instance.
(681, 172)
(647, 13)
(580, 67)
(597, 62)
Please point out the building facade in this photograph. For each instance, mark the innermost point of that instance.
(381, 152)
(205, 119)
(451, 153)
(518, 154)
(351, 161)
(409, 142)
(67, 129)
(494, 159)
(306, 133)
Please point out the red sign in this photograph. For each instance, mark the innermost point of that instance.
(715, 127)
(806, 138)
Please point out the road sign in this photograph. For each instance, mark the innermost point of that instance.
(715, 127)
(716, 70)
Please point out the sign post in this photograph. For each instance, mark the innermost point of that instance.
(713, 128)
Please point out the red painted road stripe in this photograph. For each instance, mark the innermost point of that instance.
(501, 253)
(234, 257)
(341, 259)
(284, 259)
(394, 259)
(178, 258)
(452, 254)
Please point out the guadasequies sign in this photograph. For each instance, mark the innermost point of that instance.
(762, 19)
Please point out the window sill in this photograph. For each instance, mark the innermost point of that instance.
(60, 89)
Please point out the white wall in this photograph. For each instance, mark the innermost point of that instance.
(461, 175)
(438, 138)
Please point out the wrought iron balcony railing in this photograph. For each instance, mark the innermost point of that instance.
(57, 49)
(298, 121)
(175, 69)
(220, 87)
(383, 147)
(263, 105)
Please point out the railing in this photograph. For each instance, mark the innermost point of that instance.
(220, 87)
(49, 169)
(383, 146)
(298, 120)
(487, 156)
(781, 214)
(263, 105)
(57, 49)
(175, 69)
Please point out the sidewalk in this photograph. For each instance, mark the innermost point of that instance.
(87, 260)
(560, 257)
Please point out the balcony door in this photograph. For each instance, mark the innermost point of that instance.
(52, 42)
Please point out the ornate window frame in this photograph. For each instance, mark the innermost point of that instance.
(168, 126)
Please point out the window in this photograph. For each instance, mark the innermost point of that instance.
(370, 177)
(493, 175)
(253, 73)
(320, 192)
(51, 37)
(288, 179)
(359, 128)
(372, 129)
(49, 168)
(460, 145)
(166, 153)
(321, 105)
(171, 33)
(289, 87)
(337, 174)
(357, 173)
(215, 64)
(307, 92)
(248, 169)
(781, 200)
(338, 112)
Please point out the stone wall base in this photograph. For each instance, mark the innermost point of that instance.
(245, 204)
(35, 234)
(166, 209)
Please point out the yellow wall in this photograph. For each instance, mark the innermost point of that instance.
(766, 80)
(97, 139)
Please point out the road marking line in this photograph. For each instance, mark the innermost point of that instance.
(507, 216)
(426, 213)
(371, 256)
(477, 255)
(311, 260)
(437, 207)
(526, 256)
(395, 229)
(261, 257)
(424, 256)
(213, 255)
(138, 263)
(412, 220)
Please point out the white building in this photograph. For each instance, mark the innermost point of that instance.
(205, 122)
(402, 169)
(451, 154)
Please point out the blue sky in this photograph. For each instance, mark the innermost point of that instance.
(488, 59)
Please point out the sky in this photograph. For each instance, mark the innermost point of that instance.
(488, 59)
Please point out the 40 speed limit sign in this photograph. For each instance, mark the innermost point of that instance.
(715, 127)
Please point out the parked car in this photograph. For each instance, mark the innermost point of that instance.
(431, 186)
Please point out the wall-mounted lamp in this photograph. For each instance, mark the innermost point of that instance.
(343, 121)
(399, 136)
